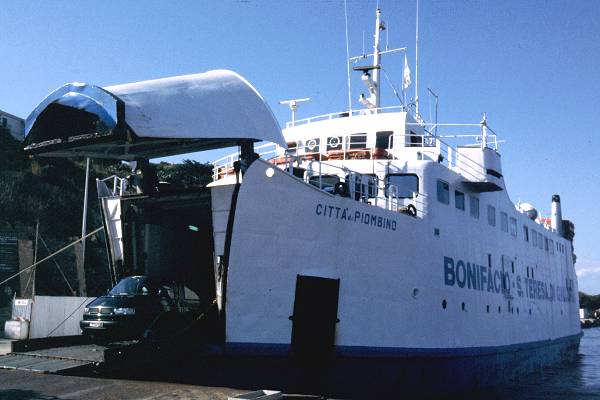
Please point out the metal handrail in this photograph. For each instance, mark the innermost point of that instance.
(119, 185)
(342, 114)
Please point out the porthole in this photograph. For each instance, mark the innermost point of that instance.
(444, 304)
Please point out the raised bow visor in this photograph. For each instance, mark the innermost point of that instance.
(151, 119)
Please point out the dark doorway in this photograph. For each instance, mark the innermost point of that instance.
(315, 316)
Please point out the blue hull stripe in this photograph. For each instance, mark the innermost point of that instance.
(274, 349)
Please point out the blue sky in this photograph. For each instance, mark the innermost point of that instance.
(531, 65)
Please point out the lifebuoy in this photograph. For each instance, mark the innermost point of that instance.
(311, 144)
(334, 142)
(411, 210)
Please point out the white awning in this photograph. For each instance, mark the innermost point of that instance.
(151, 118)
(214, 104)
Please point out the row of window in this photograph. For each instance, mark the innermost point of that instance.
(355, 141)
(403, 186)
(443, 196)
(507, 224)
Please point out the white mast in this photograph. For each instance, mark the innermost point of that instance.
(376, 59)
(417, 65)
(371, 74)
(348, 60)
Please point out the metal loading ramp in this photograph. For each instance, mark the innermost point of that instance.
(55, 360)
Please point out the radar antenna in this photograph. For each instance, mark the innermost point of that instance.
(293, 104)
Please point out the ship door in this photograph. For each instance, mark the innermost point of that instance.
(315, 316)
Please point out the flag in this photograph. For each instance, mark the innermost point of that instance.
(405, 74)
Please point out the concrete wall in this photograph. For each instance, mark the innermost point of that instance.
(56, 315)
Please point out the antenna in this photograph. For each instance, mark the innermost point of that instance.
(417, 64)
(348, 61)
(293, 104)
(379, 26)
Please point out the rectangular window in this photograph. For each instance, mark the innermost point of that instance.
(4, 122)
(401, 185)
(474, 206)
(513, 226)
(491, 215)
(540, 241)
(546, 246)
(327, 182)
(312, 145)
(443, 192)
(551, 246)
(384, 140)
(504, 222)
(526, 233)
(414, 140)
(357, 141)
(534, 238)
(334, 143)
(459, 200)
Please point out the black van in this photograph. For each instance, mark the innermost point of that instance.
(133, 306)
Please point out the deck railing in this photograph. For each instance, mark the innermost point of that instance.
(343, 114)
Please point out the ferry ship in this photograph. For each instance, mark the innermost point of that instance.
(358, 250)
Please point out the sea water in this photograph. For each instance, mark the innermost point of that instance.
(573, 381)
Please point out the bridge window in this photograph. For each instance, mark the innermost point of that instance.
(404, 185)
(459, 200)
(540, 240)
(551, 246)
(312, 145)
(526, 233)
(334, 143)
(546, 243)
(504, 221)
(414, 140)
(384, 139)
(491, 214)
(4, 122)
(534, 238)
(357, 141)
(513, 226)
(474, 206)
(443, 192)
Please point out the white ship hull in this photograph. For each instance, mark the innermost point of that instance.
(393, 272)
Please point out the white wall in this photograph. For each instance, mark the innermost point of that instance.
(56, 316)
